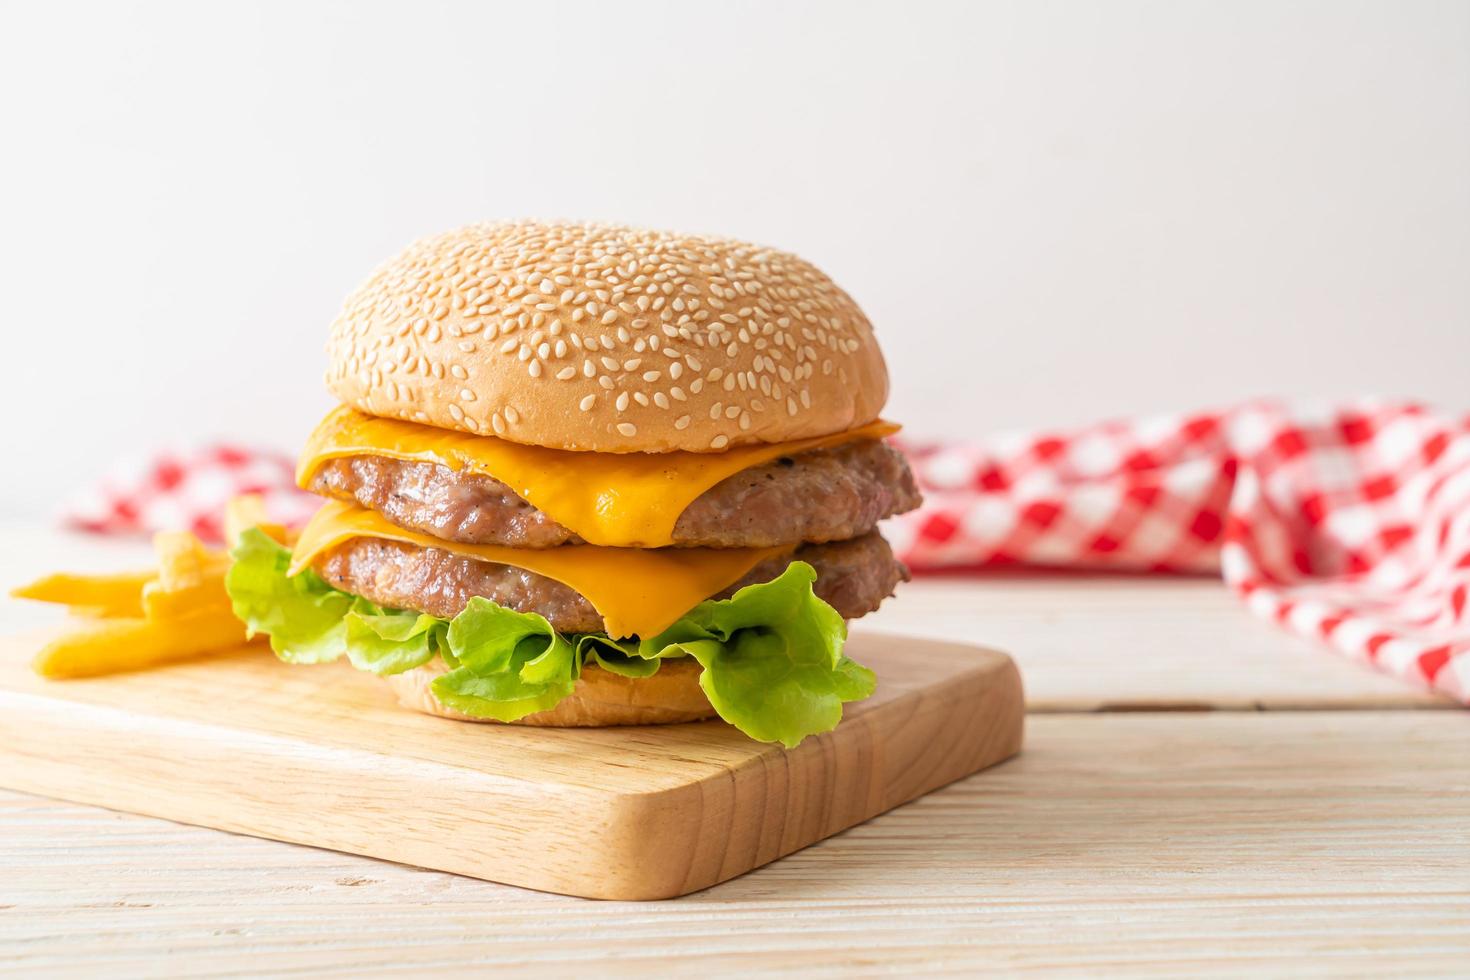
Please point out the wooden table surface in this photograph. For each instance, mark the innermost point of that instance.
(1199, 795)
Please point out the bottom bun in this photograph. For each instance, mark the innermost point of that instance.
(601, 698)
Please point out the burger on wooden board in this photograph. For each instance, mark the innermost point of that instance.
(589, 475)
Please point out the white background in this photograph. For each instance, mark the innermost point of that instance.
(1052, 211)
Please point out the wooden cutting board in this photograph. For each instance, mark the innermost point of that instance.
(324, 756)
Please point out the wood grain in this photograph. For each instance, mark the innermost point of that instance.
(1140, 643)
(322, 756)
(1221, 844)
(1316, 843)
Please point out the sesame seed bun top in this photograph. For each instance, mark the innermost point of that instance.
(606, 338)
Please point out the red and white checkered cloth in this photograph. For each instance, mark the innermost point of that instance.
(186, 489)
(1350, 523)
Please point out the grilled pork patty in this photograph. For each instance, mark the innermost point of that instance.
(823, 495)
(852, 576)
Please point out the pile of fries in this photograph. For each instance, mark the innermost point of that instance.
(133, 620)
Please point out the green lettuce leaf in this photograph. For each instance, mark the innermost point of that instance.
(772, 658)
(615, 656)
(390, 642)
(510, 664)
(770, 655)
(304, 616)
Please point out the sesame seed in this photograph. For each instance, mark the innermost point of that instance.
(627, 429)
(589, 400)
(719, 442)
(682, 422)
(622, 402)
(742, 307)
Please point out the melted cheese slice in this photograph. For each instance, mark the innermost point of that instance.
(626, 500)
(637, 591)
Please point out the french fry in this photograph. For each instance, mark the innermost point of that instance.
(111, 645)
(208, 596)
(184, 562)
(93, 595)
(179, 611)
(248, 511)
(191, 578)
(97, 612)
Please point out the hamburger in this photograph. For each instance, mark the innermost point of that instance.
(592, 475)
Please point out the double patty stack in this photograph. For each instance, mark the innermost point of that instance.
(598, 428)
